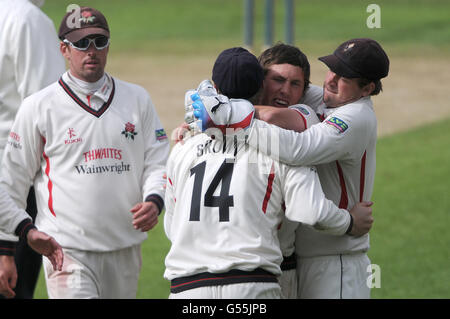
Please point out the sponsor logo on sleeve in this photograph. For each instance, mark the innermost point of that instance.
(160, 134)
(337, 123)
(301, 109)
(14, 140)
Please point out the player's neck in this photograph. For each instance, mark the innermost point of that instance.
(88, 87)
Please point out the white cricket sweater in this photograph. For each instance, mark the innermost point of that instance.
(342, 148)
(223, 207)
(29, 58)
(89, 167)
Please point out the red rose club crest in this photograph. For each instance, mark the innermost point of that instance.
(129, 131)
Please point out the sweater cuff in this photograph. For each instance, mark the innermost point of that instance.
(7, 248)
(157, 200)
(24, 227)
(349, 229)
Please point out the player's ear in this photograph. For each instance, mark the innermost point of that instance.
(368, 89)
(64, 49)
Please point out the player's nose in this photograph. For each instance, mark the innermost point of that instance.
(284, 89)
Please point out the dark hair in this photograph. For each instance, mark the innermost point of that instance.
(282, 53)
(362, 82)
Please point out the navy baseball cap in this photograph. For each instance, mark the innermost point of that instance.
(237, 73)
(359, 58)
(76, 25)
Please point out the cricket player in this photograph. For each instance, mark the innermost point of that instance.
(286, 83)
(95, 150)
(24, 70)
(224, 200)
(343, 149)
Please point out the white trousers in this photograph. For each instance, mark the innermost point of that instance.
(251, 290)
(334, 277)
(92, 275)
(288, 282)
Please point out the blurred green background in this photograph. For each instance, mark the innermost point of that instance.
(409, 240)
(188, 27)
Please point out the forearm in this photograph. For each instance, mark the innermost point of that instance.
(307, 148)
(302, 185)
(282, 117)
(157, 150)
(333, 220)
(170, 206)
(155, 171)
(10, 214)
(154, 185)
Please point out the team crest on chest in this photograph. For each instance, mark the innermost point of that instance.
(129, 131)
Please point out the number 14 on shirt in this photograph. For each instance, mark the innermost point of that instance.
(224, 201)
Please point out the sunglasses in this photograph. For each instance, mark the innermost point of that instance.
(100, 43)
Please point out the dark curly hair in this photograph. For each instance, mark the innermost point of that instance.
(282, 53)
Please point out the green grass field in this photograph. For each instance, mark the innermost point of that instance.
(408, 241)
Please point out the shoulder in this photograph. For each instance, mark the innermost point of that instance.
(313, 97)
(307, 113)
(356, 111)
(24, 13)
(44, 99)
(184, 152)
(135, 96)
(23, 23)
(313, 91)
(355, 116)
(189, 143)
(45, 94)
(129, 87)
(302, 108)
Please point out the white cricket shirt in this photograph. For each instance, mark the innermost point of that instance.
(89, 166)
(342, 148)
(287, 230)
(223, 207)
(29, 58)
(10, 214)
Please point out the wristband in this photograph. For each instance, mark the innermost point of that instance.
(7, 248)
(24, 227)
(157, 200)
